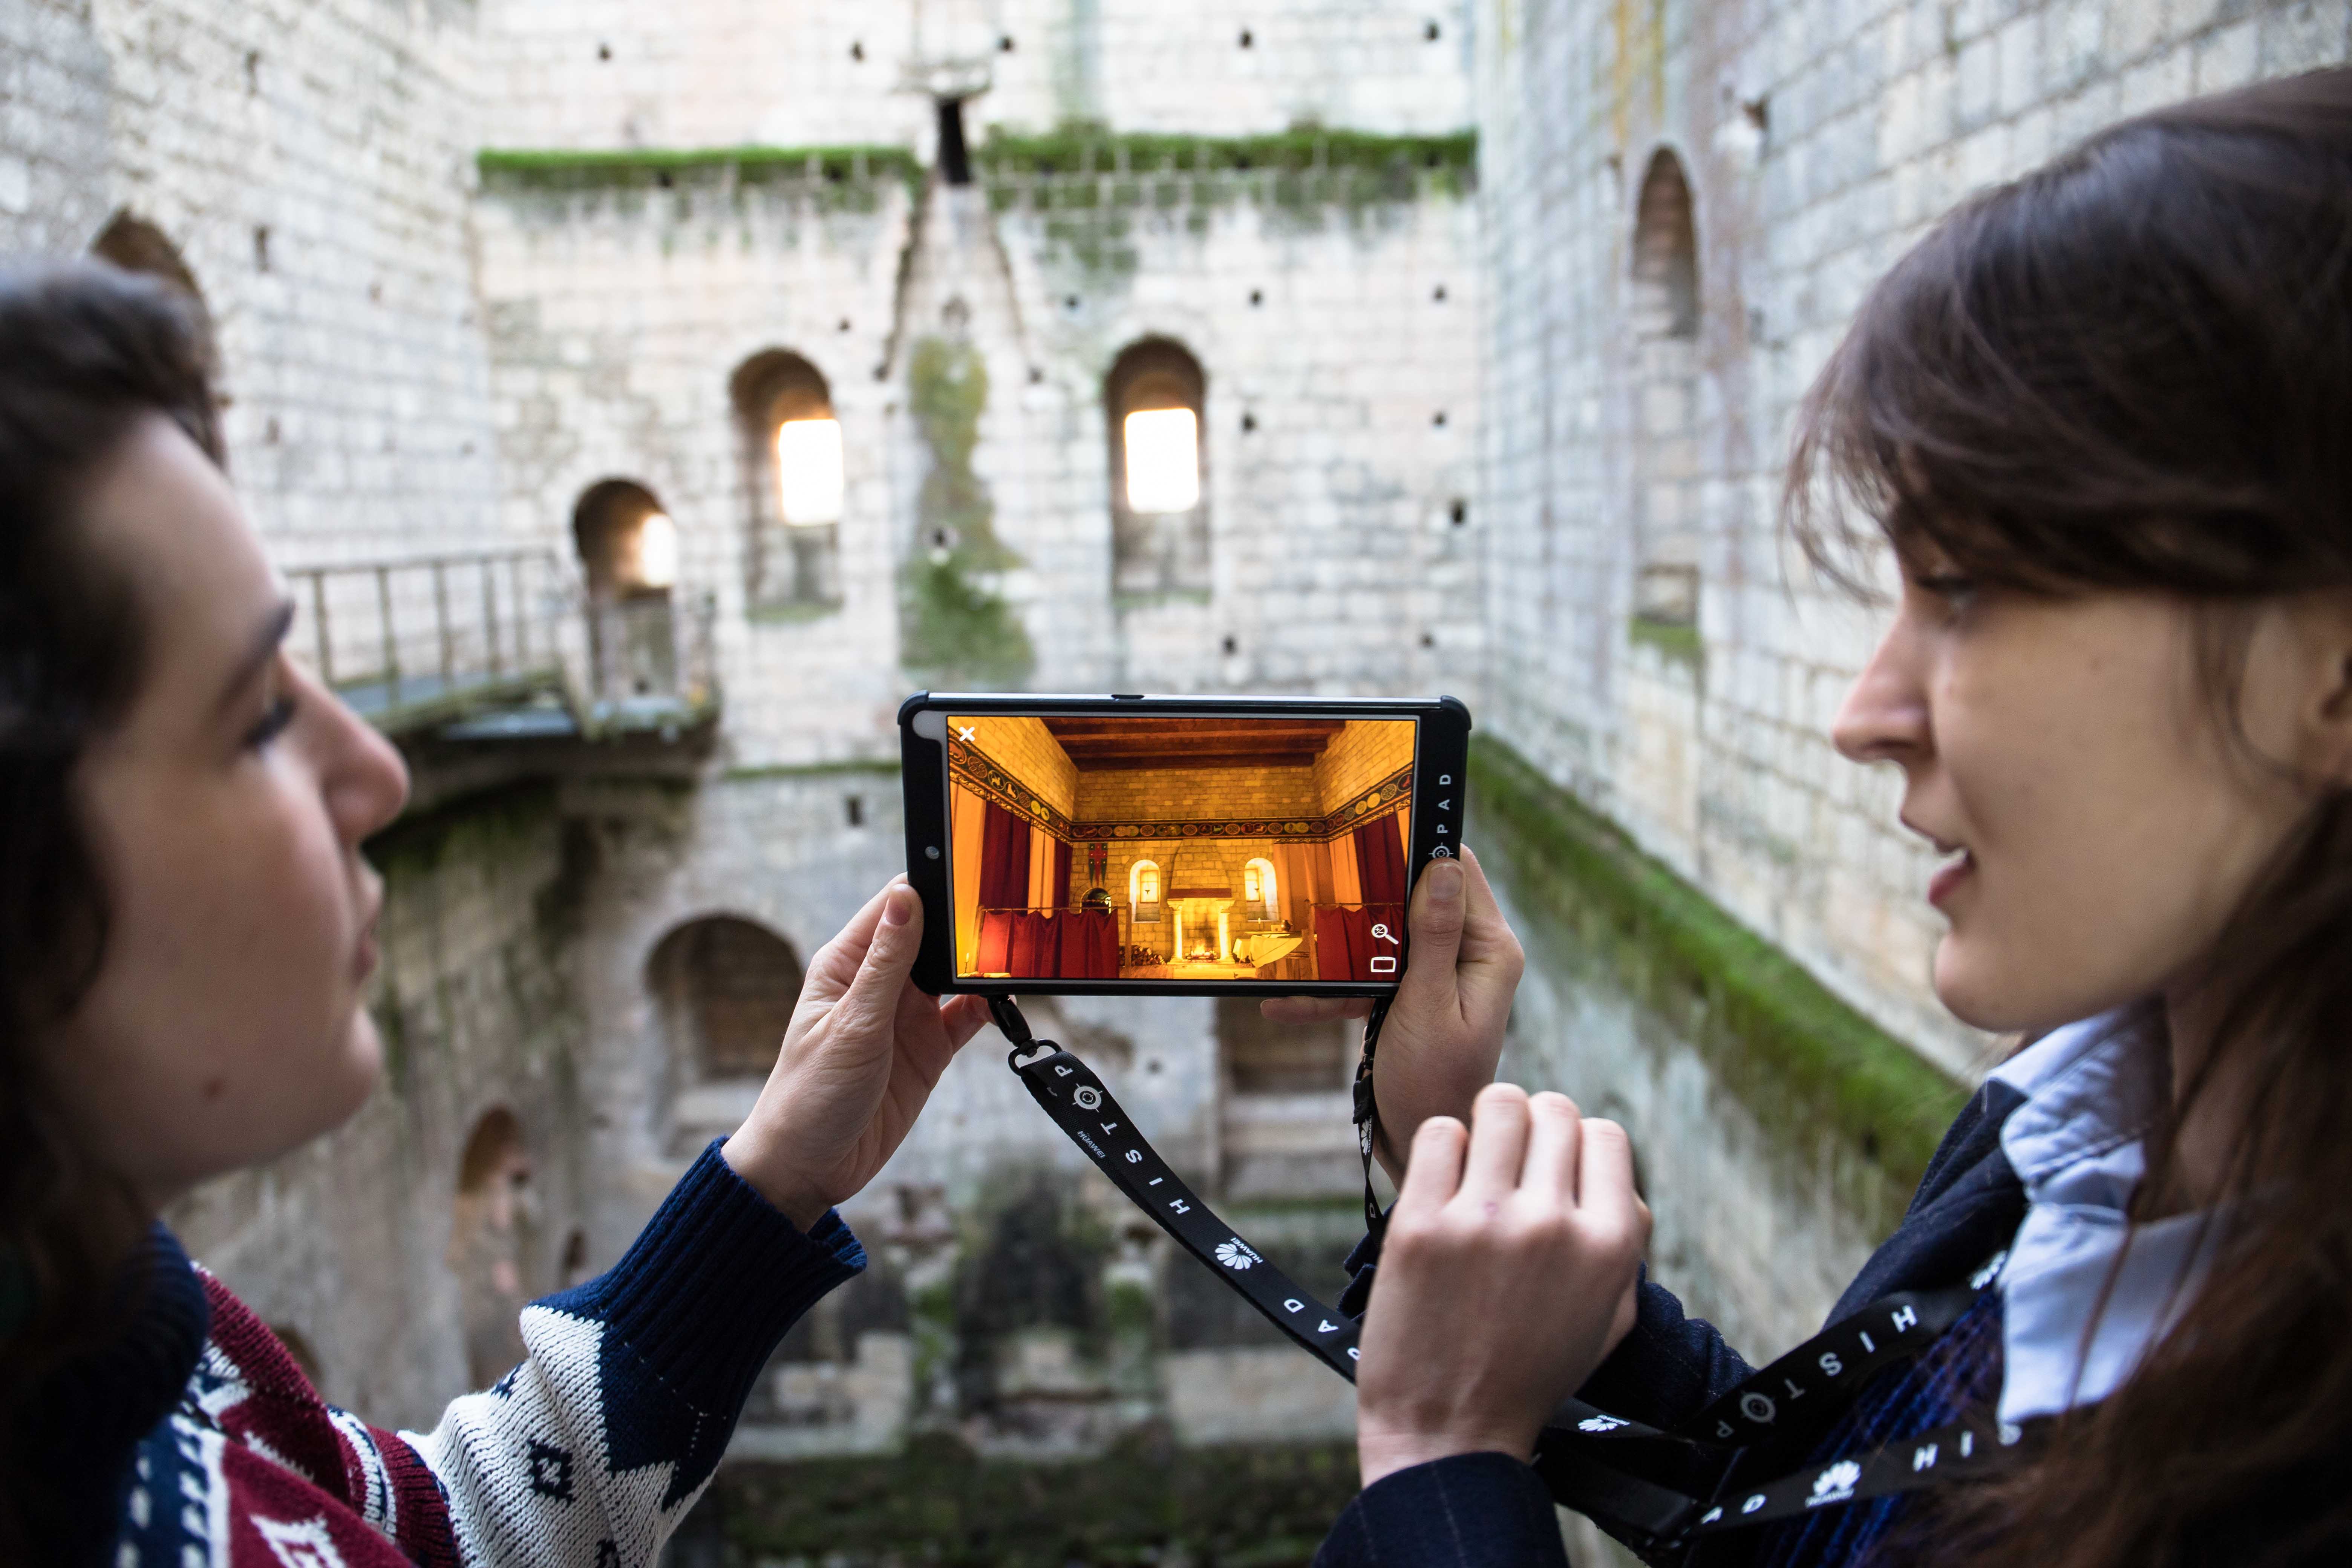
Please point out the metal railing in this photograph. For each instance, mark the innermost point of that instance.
(429, 639)
(403, 641)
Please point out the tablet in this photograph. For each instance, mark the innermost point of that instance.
(1174, 845)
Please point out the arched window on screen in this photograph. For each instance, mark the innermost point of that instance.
(794, 484)
(1143, 892)
(1154, 400)
(1258, 891)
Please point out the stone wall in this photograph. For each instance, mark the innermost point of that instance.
(1817, 142)
(310, 166)
(1341, 385)
(726, 72)
(617, 316)
(1028, 750)
(1363, 754)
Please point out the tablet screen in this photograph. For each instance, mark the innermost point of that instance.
(1105, 847)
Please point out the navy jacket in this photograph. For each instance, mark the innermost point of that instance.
(1485, 1511)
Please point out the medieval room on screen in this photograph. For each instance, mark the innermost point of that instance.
(1178, 848)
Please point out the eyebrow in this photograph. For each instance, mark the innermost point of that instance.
(259, 651)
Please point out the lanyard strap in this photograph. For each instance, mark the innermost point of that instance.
(1367, 1112)
(1084, 1109)
(1587, 1457)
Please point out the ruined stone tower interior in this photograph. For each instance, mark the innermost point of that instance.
(640, 401)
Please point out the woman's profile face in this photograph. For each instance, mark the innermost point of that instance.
(225, 812)
(2098, 820)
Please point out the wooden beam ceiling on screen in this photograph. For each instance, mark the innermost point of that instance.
(1108, 746)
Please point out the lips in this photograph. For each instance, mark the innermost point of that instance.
(1960, 863)
(1949, 876)
(363, 956)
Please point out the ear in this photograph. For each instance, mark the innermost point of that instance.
(2326, 637)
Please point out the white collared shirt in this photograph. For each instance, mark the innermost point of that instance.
(2077, 1146)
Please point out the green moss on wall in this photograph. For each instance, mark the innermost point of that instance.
(1674, 640)
(1777, 1038)
(954, 627)
(1083, 148)
(853, 173)
(509, 850)
(490, 825)
(1144, 1501)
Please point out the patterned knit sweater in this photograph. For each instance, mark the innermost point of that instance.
(587, 1453)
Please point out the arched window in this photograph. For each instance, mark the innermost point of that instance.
(1666, 301)
(728, 986)
(628, 547)
(793, 485)
(488, 1240)
(1258, 891)
(1143, 892)
(1154, 400)
(137, 246)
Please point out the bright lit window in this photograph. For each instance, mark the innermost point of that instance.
(1257, 890)
(1163, 460)
(808, 470)
(1143, 891)
(657, 551)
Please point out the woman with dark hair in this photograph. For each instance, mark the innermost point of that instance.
(2099, 417)
(186, 931)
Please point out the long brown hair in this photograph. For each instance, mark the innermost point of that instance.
(2132, 369)
(85, 352)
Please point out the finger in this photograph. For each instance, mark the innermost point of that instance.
(1499, 1143)
(1486, 937)
(1604, 1175)
(1435, 919)
(963, 1017)
(1313, 1009)
(1433, 1174)
(1555, 1133)
(873, 995)
(835, 964)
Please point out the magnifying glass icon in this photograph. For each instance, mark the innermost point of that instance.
(1381, 932)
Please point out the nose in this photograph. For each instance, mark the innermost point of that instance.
(1885, 717)
(364, 779)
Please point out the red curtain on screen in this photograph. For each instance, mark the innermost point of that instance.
(1004, 860)
(1102, 954)
(1332, 960)
(1032, 958)
(1061, 894)
(1380, 859)
(1088, 948)
(996, 955)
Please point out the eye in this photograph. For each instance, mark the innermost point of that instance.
(273, 722)
(1950, 587)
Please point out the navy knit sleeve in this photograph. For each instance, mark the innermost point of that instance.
(712, 1283)
(1472, 1510)
(595, 1446)
(1669, 1368)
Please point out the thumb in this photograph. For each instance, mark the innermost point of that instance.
(1437, 915)
(872, 998)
